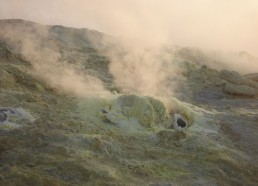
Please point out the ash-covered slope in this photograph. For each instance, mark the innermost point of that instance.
(65, 121)
(79, 46)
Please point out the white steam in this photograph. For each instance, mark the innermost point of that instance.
(228, 26)
(214, 24)
(34, 42)
(143, 69)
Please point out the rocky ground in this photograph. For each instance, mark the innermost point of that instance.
(48, 137)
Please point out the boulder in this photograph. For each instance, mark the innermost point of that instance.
(231, 76)
(213, 77)
(253, 76)
(242, 90)
(236, 78)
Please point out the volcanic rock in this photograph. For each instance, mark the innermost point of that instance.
(236, 78)
(242, 90)
(253, 76)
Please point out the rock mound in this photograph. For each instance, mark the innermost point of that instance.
(146, 111)
(243, 90)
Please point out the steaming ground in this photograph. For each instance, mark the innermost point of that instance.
(67, 116)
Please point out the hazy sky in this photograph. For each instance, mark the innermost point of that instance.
(213, 24)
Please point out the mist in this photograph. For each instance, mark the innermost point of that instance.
(143, 26)
(34, 43)
(220, 25)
